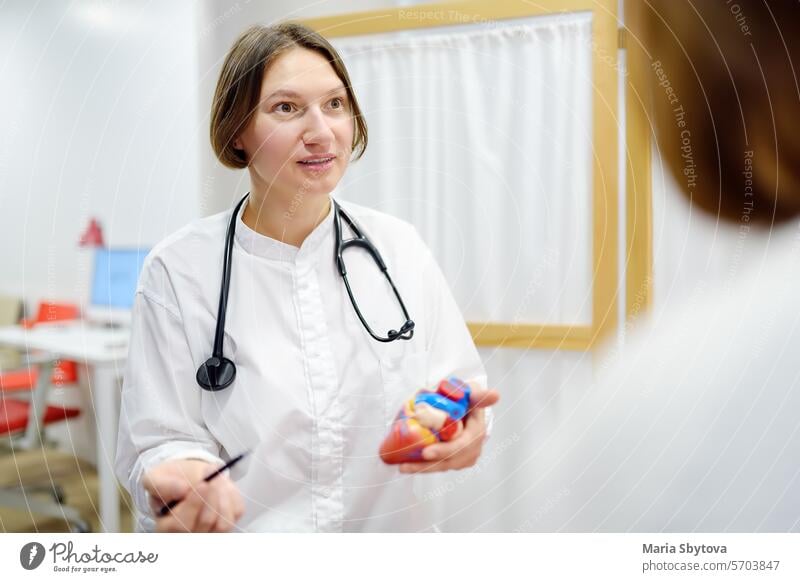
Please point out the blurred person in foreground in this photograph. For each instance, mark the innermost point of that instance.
(695, 425)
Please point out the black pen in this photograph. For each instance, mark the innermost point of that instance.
(166, 509)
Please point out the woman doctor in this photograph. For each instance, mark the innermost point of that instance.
(315, 387)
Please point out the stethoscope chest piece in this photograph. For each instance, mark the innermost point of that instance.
(216, 374)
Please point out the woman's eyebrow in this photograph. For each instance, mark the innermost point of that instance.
(296, 95)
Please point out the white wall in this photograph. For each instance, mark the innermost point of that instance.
(99, 110)
(693, 250)
(98, 104)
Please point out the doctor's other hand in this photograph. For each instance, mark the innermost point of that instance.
(464, 450)
(213, 506)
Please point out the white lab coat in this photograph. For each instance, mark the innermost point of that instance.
(314, 393)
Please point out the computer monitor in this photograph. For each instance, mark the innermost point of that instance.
(116, 272)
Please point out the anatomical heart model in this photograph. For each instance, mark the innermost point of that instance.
(427, 418)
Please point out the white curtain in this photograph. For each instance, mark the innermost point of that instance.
(481, 137)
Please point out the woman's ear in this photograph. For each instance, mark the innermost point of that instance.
(238, 147)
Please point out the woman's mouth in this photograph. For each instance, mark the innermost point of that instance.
(317, 165)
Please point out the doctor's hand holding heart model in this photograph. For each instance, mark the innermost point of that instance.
(318, 336)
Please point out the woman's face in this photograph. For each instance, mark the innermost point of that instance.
(304, 114)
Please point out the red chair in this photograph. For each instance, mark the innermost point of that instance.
(50, 312)
(14, 413)
(24, 415)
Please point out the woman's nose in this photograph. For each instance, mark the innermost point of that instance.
(318, 129)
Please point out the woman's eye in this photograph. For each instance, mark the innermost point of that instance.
(337, 103)
(284, 107)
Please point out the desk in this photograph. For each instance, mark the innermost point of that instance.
(103, 351)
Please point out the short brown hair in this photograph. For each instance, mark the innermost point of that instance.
(725, 98)
(239, 86)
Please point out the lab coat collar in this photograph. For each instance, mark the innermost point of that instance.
(260, 245)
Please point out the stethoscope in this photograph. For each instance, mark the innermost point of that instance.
(218, 372)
